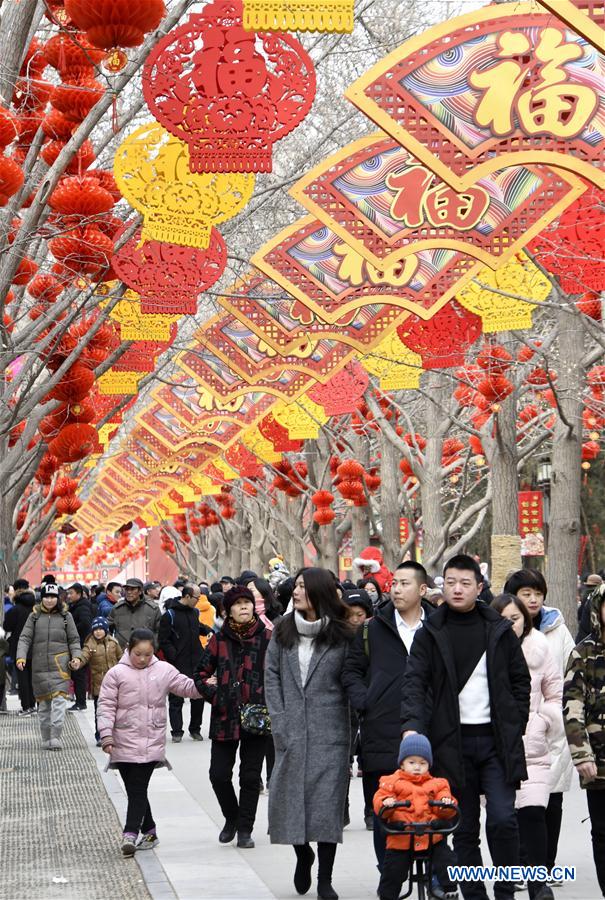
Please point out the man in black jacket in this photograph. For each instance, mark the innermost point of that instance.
(81, 609)
(467, 689)
(373, 675)
(24, 601)
(179, 641)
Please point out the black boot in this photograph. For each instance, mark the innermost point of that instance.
(326, 853)
(244, 840)
(228, 832)
(325, 891)
(304, 863)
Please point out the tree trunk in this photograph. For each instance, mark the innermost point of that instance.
(501, 453)
(431, 480)
(566, 480)
(389, 502)
(16, 23)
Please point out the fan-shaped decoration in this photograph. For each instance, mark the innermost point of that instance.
(228, 92)
(518, 277)
(443, 340)
(116, 23)
(302, 419)
(497, 83)
(168, 277)
(341, 394)
(152, 171)
(298, 15)
(397, 367)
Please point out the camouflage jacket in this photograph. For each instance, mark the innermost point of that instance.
(584, 698)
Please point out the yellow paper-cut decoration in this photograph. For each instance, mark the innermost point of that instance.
(209, 403)
(299, 15)
(499, 312)
(224, 467)
(138, 326)
(259, 445)
(151, 168)
(205, 484)
(106, 432)
(112, 382)
(302, 419)
(397, 367)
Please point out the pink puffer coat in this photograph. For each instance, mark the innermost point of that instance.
(545, 720)
(132, 708)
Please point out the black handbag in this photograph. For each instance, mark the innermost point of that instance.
(254, 717)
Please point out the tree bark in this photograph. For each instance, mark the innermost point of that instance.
(566, 480)
(16, 23)
(501, 453)
(360, 521)
(436, 389)
(389, 502)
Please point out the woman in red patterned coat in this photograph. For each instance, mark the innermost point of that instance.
(231, 677)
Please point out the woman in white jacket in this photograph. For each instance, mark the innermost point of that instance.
(544, 725)
(530, 587)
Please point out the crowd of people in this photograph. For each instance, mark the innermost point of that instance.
(451, 699)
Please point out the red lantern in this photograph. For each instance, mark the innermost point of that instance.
(443, 340)
(74, 385)
(80, 161)
(350, 470)
(324, 516)
(65, 486)
(11, 179)
(84, 250)
(67, 506)
(8, 128)
(76, 98)
(116, 23)
(81, 197)
(495, 359)
(322, 499)
(56, 126)
(74, 442)
(26, 270)
(169, 278)
(229, 93)
(71, 53)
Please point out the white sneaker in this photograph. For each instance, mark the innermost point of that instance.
(148, 842)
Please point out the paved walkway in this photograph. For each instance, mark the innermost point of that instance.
(189, 863)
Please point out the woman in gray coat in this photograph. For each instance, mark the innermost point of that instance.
(51, 639)
(310, 726)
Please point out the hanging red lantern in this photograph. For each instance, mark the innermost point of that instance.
(8, 128)
(322, 499)
(324, 516)
(495, 359)
(350, 470)
(116, 23)
(81, 197)
(26, 270)
(495, 389)
(84, 250)
(81, 160)
(76, 98)
(229, 93)
(70, 52)
(168, 277)
(68, 506)
(56, 126)
(65, 486)
(74, 385)
(590, 305)
(74, 442)
(443, 340)
(44, 287)
(11, 179)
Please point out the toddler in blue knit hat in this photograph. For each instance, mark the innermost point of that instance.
(413, 782)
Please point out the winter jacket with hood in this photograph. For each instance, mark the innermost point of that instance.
(179, 638)
(81, 611)
(560, 644)
(125, 617)
(131, 714)
(233, 657)
(104, 605)
(545, 723)
(372, 676)
(207, 616)
(15, 618)
(101, 656)
(418, 789)
(53, 640)
(584, 698)
(430, 695)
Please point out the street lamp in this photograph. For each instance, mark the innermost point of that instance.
(544, 473)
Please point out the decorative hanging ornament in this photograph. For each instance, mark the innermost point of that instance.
(521, 280)
(230, 93)
(151, 169)
(341, 394)
(396, 366)
(116, 23)
(443, 340)
(298, 15)
(168, 277)
(302, 419)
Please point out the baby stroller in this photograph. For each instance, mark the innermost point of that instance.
(421, 863)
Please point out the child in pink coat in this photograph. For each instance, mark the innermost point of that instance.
(132, 727)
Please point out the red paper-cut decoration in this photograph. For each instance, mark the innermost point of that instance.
(116, 23)
(168, 277)
(141, 355)
(243, 461)
(271, 429)
(229, 93)
(343, 391)
(443, 340)
(573, 249)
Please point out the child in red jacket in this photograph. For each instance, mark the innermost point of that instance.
(412, 781)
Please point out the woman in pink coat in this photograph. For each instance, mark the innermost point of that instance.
(132, 724)
(544, 724)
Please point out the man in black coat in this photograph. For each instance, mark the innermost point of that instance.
(81, 609)
(24, 601)
(373, 675)
(179, 641)
(467, 689)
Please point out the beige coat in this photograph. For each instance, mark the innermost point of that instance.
(101, 656)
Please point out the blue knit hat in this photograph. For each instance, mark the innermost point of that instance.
(100, 622)
(415, 745)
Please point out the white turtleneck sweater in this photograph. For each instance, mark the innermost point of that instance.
(307, 632)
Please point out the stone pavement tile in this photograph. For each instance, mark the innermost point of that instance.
(56, 821)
